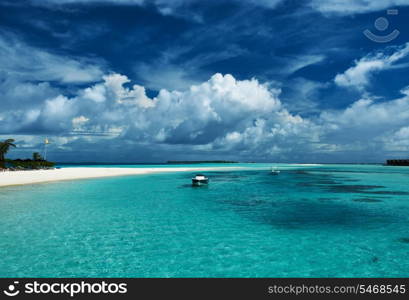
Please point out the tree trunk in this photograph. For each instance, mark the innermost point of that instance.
(2, 161)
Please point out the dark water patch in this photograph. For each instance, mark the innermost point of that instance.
(247, 203)
(375, 259)
(355, 171)
(305, 184)
(367, 200)
(302, 214)
(363, 189)
(327, 199)
(310, 184)
(353, 188)
(191, 186)
(316, 180)
(186, 185)
(302, 172)
(326, 182)
(396, 193)
(272, 182)
(404, 240)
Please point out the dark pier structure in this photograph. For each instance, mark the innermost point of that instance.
(397, 162)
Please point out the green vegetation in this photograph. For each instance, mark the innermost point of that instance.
(4, 148)
(37, 156)
(37, 162)
(29, 164)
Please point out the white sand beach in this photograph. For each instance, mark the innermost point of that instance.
(40, 176)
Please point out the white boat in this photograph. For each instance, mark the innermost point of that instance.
(275, 171)
(200, 179)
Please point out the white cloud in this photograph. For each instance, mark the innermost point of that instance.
(165, 6)
(24, 62)
(359, 75)
(303, 95)
(79, 120)
(367, 114)
(351, 7)
(402, 135)
(173, 71)
(265, 3)
(202, 115)
(368, 126)
(302, 61)
(181, 8)
(396, 142)
(221, 117)
(177, 7)
(121, 2)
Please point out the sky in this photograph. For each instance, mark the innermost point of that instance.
(244, 80)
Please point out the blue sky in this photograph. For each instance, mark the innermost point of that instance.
(253, 80)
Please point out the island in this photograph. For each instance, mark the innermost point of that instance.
(397, 162)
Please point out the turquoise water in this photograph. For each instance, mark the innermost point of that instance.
(309, 221)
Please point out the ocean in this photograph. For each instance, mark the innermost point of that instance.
(308, 221)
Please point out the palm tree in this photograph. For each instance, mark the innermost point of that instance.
(37, 156)
(4, 148)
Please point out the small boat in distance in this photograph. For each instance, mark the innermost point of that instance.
(199, 180)
(275, 171)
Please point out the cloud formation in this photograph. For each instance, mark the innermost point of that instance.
(352, 7)
(339, 7)
(22, 61)
(289, 98)
(221, 113)
(359, 75)
(223, 116)
(120, 2)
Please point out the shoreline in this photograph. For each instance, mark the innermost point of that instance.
(12, 178)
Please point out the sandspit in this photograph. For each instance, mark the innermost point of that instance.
(40, 176)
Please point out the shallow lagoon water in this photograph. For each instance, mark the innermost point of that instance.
(309, 221)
